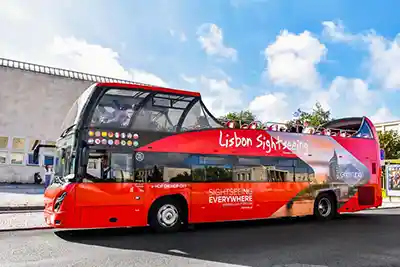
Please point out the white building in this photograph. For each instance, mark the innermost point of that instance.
(34, 100)
(387, 126)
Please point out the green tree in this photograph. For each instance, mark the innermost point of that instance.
(242, 117)
(318, 116)
(390, 143)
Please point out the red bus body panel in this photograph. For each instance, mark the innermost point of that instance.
(101, 205)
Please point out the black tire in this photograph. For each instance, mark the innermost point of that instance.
(166, 216)
(325, 207)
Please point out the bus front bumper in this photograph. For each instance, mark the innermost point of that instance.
(56, 219)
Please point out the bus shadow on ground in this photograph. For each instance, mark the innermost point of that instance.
(259, 242)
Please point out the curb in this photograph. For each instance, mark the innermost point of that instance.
(21, 208)
(25, 229)
(387, 208)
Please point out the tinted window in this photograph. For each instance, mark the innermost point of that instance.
(176, 167)
(162, 167)
(213, 168)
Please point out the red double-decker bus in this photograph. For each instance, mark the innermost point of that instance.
(135, 155)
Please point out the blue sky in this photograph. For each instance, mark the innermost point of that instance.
(269, 56)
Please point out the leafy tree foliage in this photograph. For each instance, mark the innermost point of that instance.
(316, 117)
(390, 143)
(244, 117)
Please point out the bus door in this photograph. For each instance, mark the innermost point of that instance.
(108, 195)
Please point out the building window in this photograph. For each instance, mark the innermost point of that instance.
(3, 142)
(48, 160)
(3, 157)
(18, 143)
(30, 161)
(17, 158)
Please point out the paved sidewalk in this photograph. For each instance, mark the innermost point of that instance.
(14, 221)
(389, 203)
(21, 196)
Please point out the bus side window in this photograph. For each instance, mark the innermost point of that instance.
(216, 168)
(303, 172)
(121, 167)
(154, 167)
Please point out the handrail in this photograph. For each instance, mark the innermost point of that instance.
(276, 126)
(15, 64)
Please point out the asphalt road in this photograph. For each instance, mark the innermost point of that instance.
(368, 239)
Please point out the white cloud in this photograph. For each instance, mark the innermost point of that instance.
(188, 79)
(81, 56)
(13, 12)
(217, 93)
(219, 96)
(210, 37)
(346, 97)
(34, 35)
(355, 90)
(383, 114)
(292, 60)
(271, 107)
(384, 54)
(181, 35)
(336, 32)
(384, 61)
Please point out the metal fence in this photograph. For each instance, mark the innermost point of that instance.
(9, 63)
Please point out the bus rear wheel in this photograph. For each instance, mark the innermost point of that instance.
(166, 216)
(325, 207)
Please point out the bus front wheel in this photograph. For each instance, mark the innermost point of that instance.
(166, 216)
(325, 207)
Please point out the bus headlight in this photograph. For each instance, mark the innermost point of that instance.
(59, 200)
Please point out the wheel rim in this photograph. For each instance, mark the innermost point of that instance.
(324, 207)
(168, 215)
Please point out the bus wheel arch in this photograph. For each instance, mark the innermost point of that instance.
(325, 205)
(168, 213)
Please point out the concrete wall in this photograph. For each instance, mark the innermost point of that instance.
(32, 106)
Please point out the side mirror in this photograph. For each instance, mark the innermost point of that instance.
(85, 156)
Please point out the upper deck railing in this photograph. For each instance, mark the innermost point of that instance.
(282, 127)
(10, 63)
